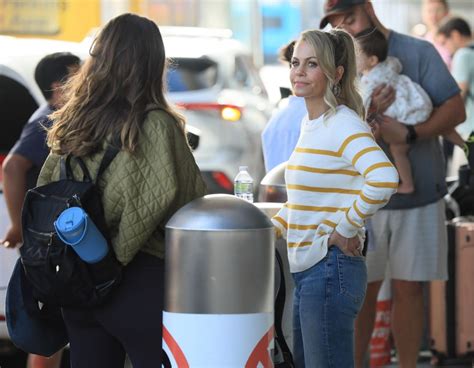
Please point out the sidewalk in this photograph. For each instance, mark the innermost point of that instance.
(424, 362)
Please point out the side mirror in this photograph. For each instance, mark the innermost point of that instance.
(193, 135)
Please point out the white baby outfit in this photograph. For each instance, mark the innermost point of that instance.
(412, 104)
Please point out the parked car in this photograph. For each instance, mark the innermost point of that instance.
(213, 79)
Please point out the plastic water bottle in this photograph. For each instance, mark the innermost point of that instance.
(243, 184)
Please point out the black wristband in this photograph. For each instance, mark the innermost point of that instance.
(411, 134)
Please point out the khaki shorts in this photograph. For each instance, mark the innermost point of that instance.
(409, 244)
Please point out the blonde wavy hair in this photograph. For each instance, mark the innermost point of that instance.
(111, 95)
(337, 48)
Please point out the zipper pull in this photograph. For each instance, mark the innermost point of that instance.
(77, 200)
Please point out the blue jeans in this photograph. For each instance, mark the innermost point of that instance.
(328, 297)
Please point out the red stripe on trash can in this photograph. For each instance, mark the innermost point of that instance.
(176, 351)
(260, 354)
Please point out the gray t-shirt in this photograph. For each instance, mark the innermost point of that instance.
(423, 65)
(41, 112)
(463, 72)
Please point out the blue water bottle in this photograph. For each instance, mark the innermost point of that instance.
(76, 229)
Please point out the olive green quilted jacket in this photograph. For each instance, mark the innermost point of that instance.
(141, 191)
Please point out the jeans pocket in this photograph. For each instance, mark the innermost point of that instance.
(352, 278)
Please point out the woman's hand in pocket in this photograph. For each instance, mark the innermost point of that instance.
(278, 234)
(349, 246)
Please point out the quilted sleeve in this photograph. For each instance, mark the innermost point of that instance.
(47, 173)
(145, 190)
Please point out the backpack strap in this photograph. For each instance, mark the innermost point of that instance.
(63, 175)
(65, 171)
(279, 308)
(166, 363)
(109, 155)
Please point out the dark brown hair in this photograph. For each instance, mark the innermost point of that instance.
(455, 24)
(114, 90)
(52, 68)
(373, 43)
(286, 52)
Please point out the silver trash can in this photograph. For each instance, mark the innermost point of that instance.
(273, 186)
(272, 195)
(219, 285)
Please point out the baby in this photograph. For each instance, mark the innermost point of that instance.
(412, 104)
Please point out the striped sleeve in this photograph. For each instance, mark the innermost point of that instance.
(280, 222)
(380, 180)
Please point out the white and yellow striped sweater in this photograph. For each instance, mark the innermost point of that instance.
(336, 178)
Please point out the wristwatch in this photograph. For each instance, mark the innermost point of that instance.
(411, 134)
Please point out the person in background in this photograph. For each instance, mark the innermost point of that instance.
(455, 34)
(281, 132)
(410, 231)
(433, 12)
(118, 99)
(336, 177)
(24, 161)
(412, 104)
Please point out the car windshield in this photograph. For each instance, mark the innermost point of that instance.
(191, 74)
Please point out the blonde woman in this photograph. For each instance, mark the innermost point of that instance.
(336, 178)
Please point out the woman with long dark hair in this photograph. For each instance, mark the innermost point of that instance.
(118, 99)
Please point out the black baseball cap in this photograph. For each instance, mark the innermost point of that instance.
(333, 7)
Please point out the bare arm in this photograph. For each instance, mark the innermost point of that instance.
(15, 168)
(443, 119)
(464, 89)
(381, 99)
